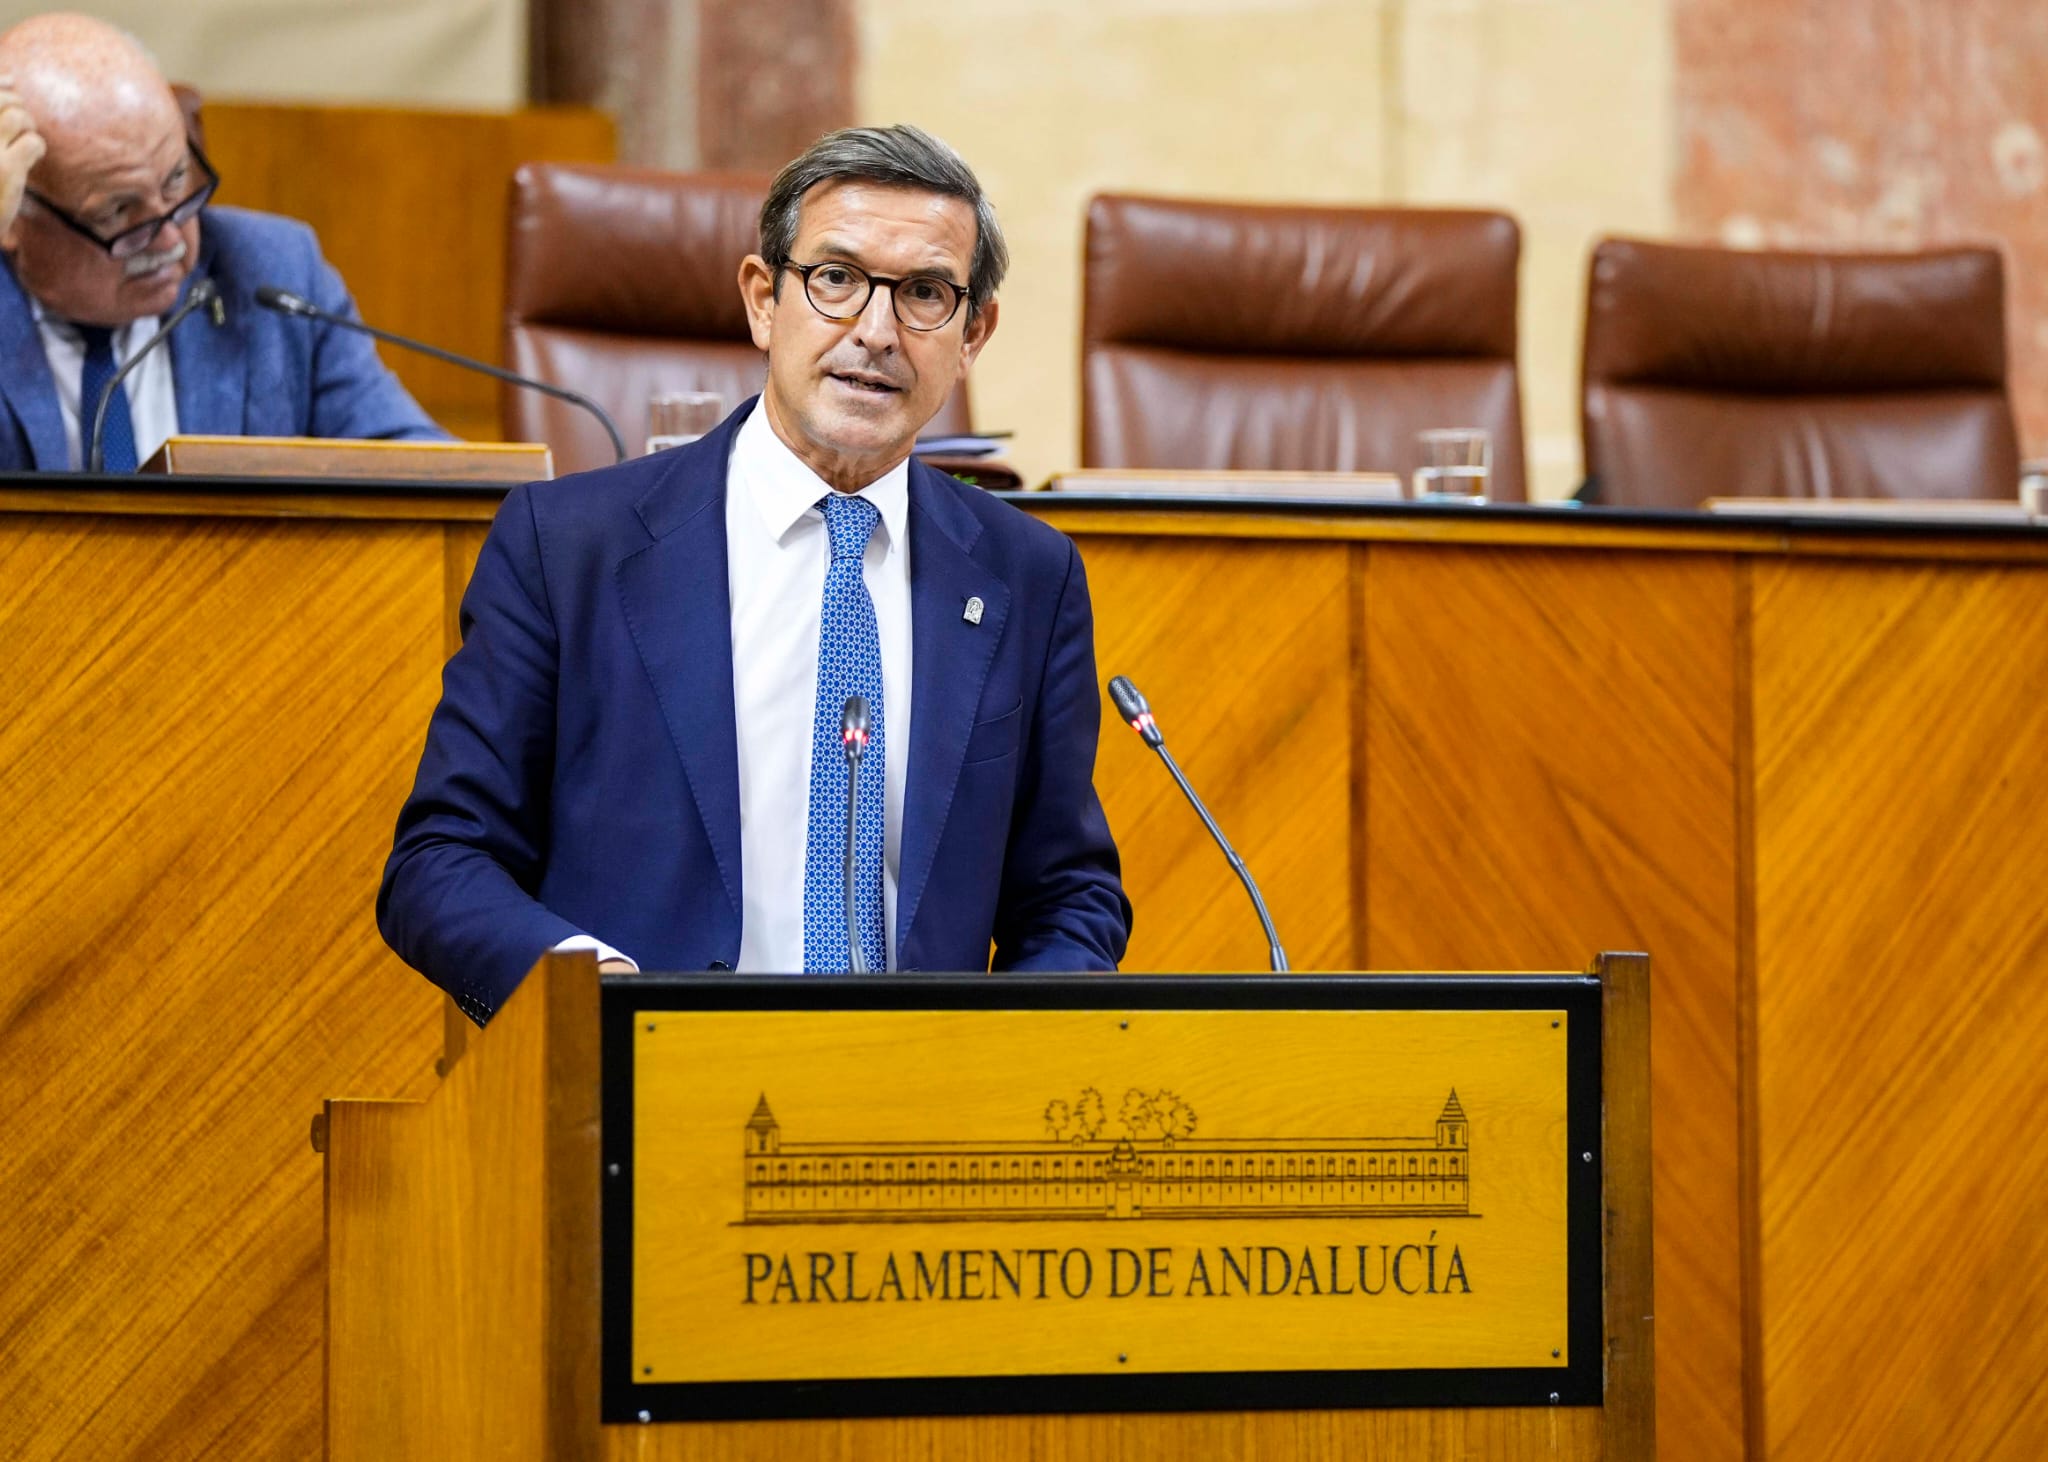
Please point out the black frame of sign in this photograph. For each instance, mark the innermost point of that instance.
(1576, 1382)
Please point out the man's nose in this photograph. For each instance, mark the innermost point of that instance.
(149, 245)
(876, 328)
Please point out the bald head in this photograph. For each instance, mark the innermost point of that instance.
(116, 156)
(83, 78)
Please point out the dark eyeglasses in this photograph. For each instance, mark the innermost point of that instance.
(133, 240)
(841, 291)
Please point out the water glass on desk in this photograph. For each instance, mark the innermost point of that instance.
(676, 418)
(1455, 464)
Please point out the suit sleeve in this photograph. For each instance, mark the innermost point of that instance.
(354, 393)
(458, 899)
(1062, 906)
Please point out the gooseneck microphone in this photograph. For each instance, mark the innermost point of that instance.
(286, 303)
(853, 737)
(1138, 716)
(203, 292)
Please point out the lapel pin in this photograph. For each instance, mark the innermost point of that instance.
(972, 613)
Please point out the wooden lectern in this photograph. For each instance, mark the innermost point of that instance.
(345, 459)
(584, 1245)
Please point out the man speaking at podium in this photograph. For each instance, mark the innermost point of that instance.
(638, 746)
(101, 199)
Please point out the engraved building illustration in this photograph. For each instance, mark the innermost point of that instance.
(1101, 1178)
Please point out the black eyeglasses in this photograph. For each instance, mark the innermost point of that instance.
(133, 240)
(841, 291)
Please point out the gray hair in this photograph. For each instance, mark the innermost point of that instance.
(902, 156)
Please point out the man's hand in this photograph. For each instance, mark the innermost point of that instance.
(21, 148)
(617, 967)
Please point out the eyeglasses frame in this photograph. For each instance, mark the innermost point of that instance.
(961, 293)
(149, 228)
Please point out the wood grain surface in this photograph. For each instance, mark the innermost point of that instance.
(509, 463)
(410, 208)
(462, 1245)
(1246, 650)
(1547, 753)
(1470, 749)
(1899, 713)
(206, 727)
(1502, 1435)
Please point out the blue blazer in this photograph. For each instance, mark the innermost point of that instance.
(259, 374)
(581, 773)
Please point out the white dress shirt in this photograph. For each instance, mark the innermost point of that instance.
(776, 554)
(152, 393)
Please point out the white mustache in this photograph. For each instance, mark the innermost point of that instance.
(139, 265)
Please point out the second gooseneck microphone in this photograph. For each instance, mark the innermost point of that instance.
(287, 303)
(1138, 716)
(203, 292)
(853, 737)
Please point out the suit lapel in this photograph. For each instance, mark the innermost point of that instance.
(950, 659)
(25, 381)
(210, 368)
(678, 606)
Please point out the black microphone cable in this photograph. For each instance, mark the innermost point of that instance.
(1138, 716)
(286, 303)
(203, 292)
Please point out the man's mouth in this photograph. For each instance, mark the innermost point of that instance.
(862, 381)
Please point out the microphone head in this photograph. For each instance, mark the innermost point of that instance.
(203, 291)
(282, 300)
(853, 726)
(1131, 705)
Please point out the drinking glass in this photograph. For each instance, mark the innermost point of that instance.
(1455, 463)
(675, 418)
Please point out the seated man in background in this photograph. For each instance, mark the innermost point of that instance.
(101, 199)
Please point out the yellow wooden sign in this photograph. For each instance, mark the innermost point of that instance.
(824, 1195)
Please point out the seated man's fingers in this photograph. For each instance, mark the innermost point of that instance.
(23, 152)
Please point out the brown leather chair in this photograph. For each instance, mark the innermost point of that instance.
(1720, 373)
(191, 103)
(622, 281)
(1221, 335)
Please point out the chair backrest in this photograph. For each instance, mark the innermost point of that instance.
(621, 282)
(1222, 335)
(192, 104)
(1716, 372)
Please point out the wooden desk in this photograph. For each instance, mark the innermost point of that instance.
(1800, 764)
(212, 708)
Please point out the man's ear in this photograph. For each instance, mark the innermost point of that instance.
(757, 294)
(978, 331)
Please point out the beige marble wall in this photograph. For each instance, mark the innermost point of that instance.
(418, 53)
(1557, 110)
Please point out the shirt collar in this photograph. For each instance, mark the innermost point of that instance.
(784, 488)
(70, 331)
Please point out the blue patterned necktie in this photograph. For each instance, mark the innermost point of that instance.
(849, 664)
(118, 442)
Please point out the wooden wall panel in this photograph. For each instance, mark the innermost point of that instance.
(206, 728)
(410, 207)
(1244, 650)
(1548, 751)
(1900, 712)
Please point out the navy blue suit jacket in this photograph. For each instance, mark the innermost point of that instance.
(581, 773)
(258, 374)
